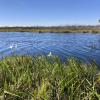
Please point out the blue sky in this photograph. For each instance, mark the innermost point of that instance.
(49, 12)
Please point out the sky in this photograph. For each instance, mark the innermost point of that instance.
(49, 12)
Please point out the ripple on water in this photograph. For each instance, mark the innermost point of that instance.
(82, 46)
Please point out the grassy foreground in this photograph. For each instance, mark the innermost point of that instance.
(43, 78)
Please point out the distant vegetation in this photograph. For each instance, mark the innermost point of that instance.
(58, 29)
(47, 78)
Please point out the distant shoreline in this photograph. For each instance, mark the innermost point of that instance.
(54, 29)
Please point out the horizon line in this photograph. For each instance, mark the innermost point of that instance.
(49, 25)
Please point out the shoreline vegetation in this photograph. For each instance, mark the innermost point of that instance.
(54, 29)
(47, 78)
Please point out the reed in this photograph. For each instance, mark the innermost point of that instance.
(47, 78)
(54, 29)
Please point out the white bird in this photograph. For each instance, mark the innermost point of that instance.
(50, 54)
(13, 46)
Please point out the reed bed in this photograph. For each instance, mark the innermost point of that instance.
(47, 78)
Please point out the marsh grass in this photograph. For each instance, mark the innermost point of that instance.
(47, 78)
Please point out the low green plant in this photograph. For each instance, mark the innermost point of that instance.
(47, 78)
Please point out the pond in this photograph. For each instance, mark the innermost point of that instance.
(84, 46)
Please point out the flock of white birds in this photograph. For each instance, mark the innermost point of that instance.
(14, 46)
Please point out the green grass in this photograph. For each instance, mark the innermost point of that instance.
(47, 78)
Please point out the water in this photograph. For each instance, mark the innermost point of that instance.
(83, 46)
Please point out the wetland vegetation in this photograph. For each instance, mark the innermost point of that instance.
(58, 29)
(47, 78)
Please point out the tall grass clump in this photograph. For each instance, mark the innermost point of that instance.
(47, 78)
